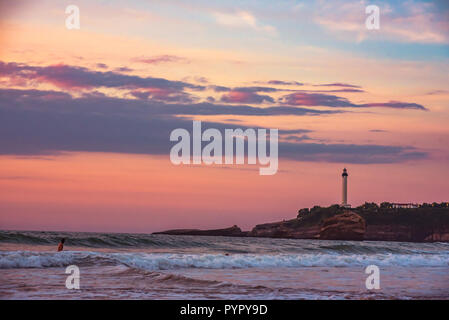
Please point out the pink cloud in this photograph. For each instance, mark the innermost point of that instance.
(162, 59)
(237, 96)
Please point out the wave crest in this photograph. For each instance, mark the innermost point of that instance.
(165, 261)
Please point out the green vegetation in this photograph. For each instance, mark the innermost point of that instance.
(435, 214)
(425, 215)
(316, 214)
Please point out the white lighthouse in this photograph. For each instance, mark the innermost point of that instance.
(344, 193)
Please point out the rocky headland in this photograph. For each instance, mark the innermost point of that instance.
(233, 231)
(427, 223)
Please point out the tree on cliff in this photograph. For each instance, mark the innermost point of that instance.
(385, 205)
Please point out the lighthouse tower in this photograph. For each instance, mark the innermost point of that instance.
(344, 194)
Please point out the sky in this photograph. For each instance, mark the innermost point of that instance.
(86, 114)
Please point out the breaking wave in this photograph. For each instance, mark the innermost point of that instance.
(93, 240)
(166, 261)
(188, 244)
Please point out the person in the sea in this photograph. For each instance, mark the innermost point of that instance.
(61, 245)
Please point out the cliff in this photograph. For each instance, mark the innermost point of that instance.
(381, 224)
(407, 233)
(428, 223)
(285, 229)
(345, 226)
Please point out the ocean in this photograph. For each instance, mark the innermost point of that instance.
(144, 266)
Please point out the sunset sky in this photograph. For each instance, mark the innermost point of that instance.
(86, 115)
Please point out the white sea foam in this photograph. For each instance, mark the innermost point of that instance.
(166, 261)
(30, 259)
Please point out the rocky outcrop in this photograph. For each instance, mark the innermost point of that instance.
(233, 231)
(438, 235)
(388, 233)
(333, 223)
(345, 226)
(285, 229)
(407, 233)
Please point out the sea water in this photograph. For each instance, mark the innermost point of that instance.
(143, 266)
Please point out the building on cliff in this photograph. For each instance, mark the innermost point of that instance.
(404, 205)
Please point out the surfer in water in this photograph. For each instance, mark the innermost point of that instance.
(61, 245)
